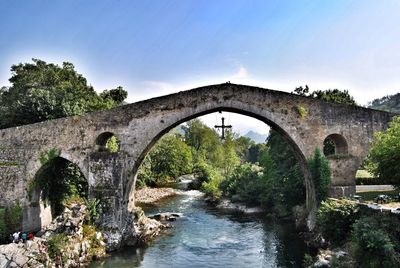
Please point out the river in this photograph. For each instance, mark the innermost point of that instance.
(208, 237)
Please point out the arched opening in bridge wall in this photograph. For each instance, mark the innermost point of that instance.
(107, 142)
(335, 144)
(278, 133)
(56, 181)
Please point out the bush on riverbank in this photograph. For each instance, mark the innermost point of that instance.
(335, 218)
(376, 241)
(248, 184)
(361, 232)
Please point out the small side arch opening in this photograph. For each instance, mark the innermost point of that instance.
(335, 144)
(55, 182)
(107, 142)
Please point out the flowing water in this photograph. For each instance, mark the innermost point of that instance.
(208, 237)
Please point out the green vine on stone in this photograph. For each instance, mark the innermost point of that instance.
(46, 156)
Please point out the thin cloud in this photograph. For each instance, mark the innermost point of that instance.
(242, 73)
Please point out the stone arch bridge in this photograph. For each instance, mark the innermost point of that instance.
(304, 122)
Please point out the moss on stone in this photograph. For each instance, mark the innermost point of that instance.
(302, 111)
(10, 164)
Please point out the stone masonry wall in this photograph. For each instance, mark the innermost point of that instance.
(139, 125)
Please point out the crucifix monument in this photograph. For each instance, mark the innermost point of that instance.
(223, 126)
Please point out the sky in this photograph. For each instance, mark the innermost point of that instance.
(153, 48)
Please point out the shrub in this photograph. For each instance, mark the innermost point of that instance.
(94, 208)
(248, 184)
(56, 244)
(210, 185)
(145, 176)
(374, 241)
(112, 144)
(335, 218)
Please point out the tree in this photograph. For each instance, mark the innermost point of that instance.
(334, 95)
(289, 187)
(320, 174)
(331, 95)
(302, 91)
(168, 159)
(384, 157)
(200, 136)
(117, 95)
(230, 158)
(243, 146)
(40, 91)
(390, 103)
(205, 142)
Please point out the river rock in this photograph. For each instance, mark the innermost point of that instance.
(325, 257)
(20, 255)
(166, 216)
(227, 204)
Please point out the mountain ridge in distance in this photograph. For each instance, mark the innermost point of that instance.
(255, 136)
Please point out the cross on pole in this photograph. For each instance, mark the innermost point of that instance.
(223, 126)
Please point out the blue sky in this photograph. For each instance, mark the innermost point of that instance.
(153, 48)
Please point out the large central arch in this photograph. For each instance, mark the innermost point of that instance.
(235, 107)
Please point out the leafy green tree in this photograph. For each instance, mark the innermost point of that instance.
(289, 187)
(255, 151)
(331, 95)
(167, 160)
(334, 95)
(40, 91)
(230, 158)
(384, 157)
(320, 174)
(145, 176)
(117, 95)
(199, 136)
(207, 145)
(390, 103)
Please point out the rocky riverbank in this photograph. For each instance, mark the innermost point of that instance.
(69, 241)
(151, 195)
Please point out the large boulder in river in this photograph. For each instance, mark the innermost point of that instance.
(166, 216)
